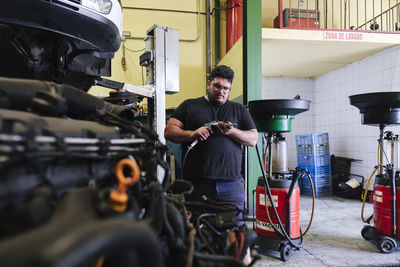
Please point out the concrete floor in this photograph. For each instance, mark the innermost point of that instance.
(334, 238)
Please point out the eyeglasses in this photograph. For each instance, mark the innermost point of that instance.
(219, 87)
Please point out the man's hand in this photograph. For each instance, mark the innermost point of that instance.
(244, 137)
(202, 133)
(224, 127)
(175, 133)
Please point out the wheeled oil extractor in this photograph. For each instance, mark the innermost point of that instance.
(382, 109)
(277, 216)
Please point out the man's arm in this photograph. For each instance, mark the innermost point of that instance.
(174, 132)
(244, 137)
(247, 138)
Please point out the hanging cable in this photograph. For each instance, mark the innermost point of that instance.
(134, 51)
(313, 204)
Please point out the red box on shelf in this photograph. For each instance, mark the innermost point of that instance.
(299, 19)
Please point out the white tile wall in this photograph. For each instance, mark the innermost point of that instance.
(347, 136)
(331, 110)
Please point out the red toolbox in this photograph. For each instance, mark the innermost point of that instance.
(298, 19)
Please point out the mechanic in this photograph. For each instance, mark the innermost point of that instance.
(214, 164)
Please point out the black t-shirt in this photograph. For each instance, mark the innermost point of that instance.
(218, 157)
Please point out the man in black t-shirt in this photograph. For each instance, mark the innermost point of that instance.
(214, 164)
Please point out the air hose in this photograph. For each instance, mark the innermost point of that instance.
(186, 154)
(376, 168)
(313, 204)
(365, 196)
(312, 210)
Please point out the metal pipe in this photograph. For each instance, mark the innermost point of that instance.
(246, 177)
(308, 17)
(163, 10)
(373, 9)
(390, 17)
(341, 16)
(395, 17)
(349, 14)
(269, 145)
(326, 13)
(381, 128)
(333, 12)
(345, 14)
(298, 14)
(198, 25)
(208, 40)
(280, 14)
(217, 32)
(392, 20)
(357, 13)
(388, 28)
(317, 11)
(382, 15)
(388, 23)
(290, 13)
(365, 17)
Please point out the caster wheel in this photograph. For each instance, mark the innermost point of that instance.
(364, 233)
(386, 245)
(286, 252)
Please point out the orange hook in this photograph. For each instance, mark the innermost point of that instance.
(119, 196)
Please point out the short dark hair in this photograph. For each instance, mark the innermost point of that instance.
(222, 71)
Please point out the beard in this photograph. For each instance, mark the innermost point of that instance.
(213, 101)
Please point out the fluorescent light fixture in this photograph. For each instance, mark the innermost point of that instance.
(102, 6)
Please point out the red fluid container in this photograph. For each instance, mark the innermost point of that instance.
(234, 22)
(279, 191)
(383, 207)
(298, 19)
